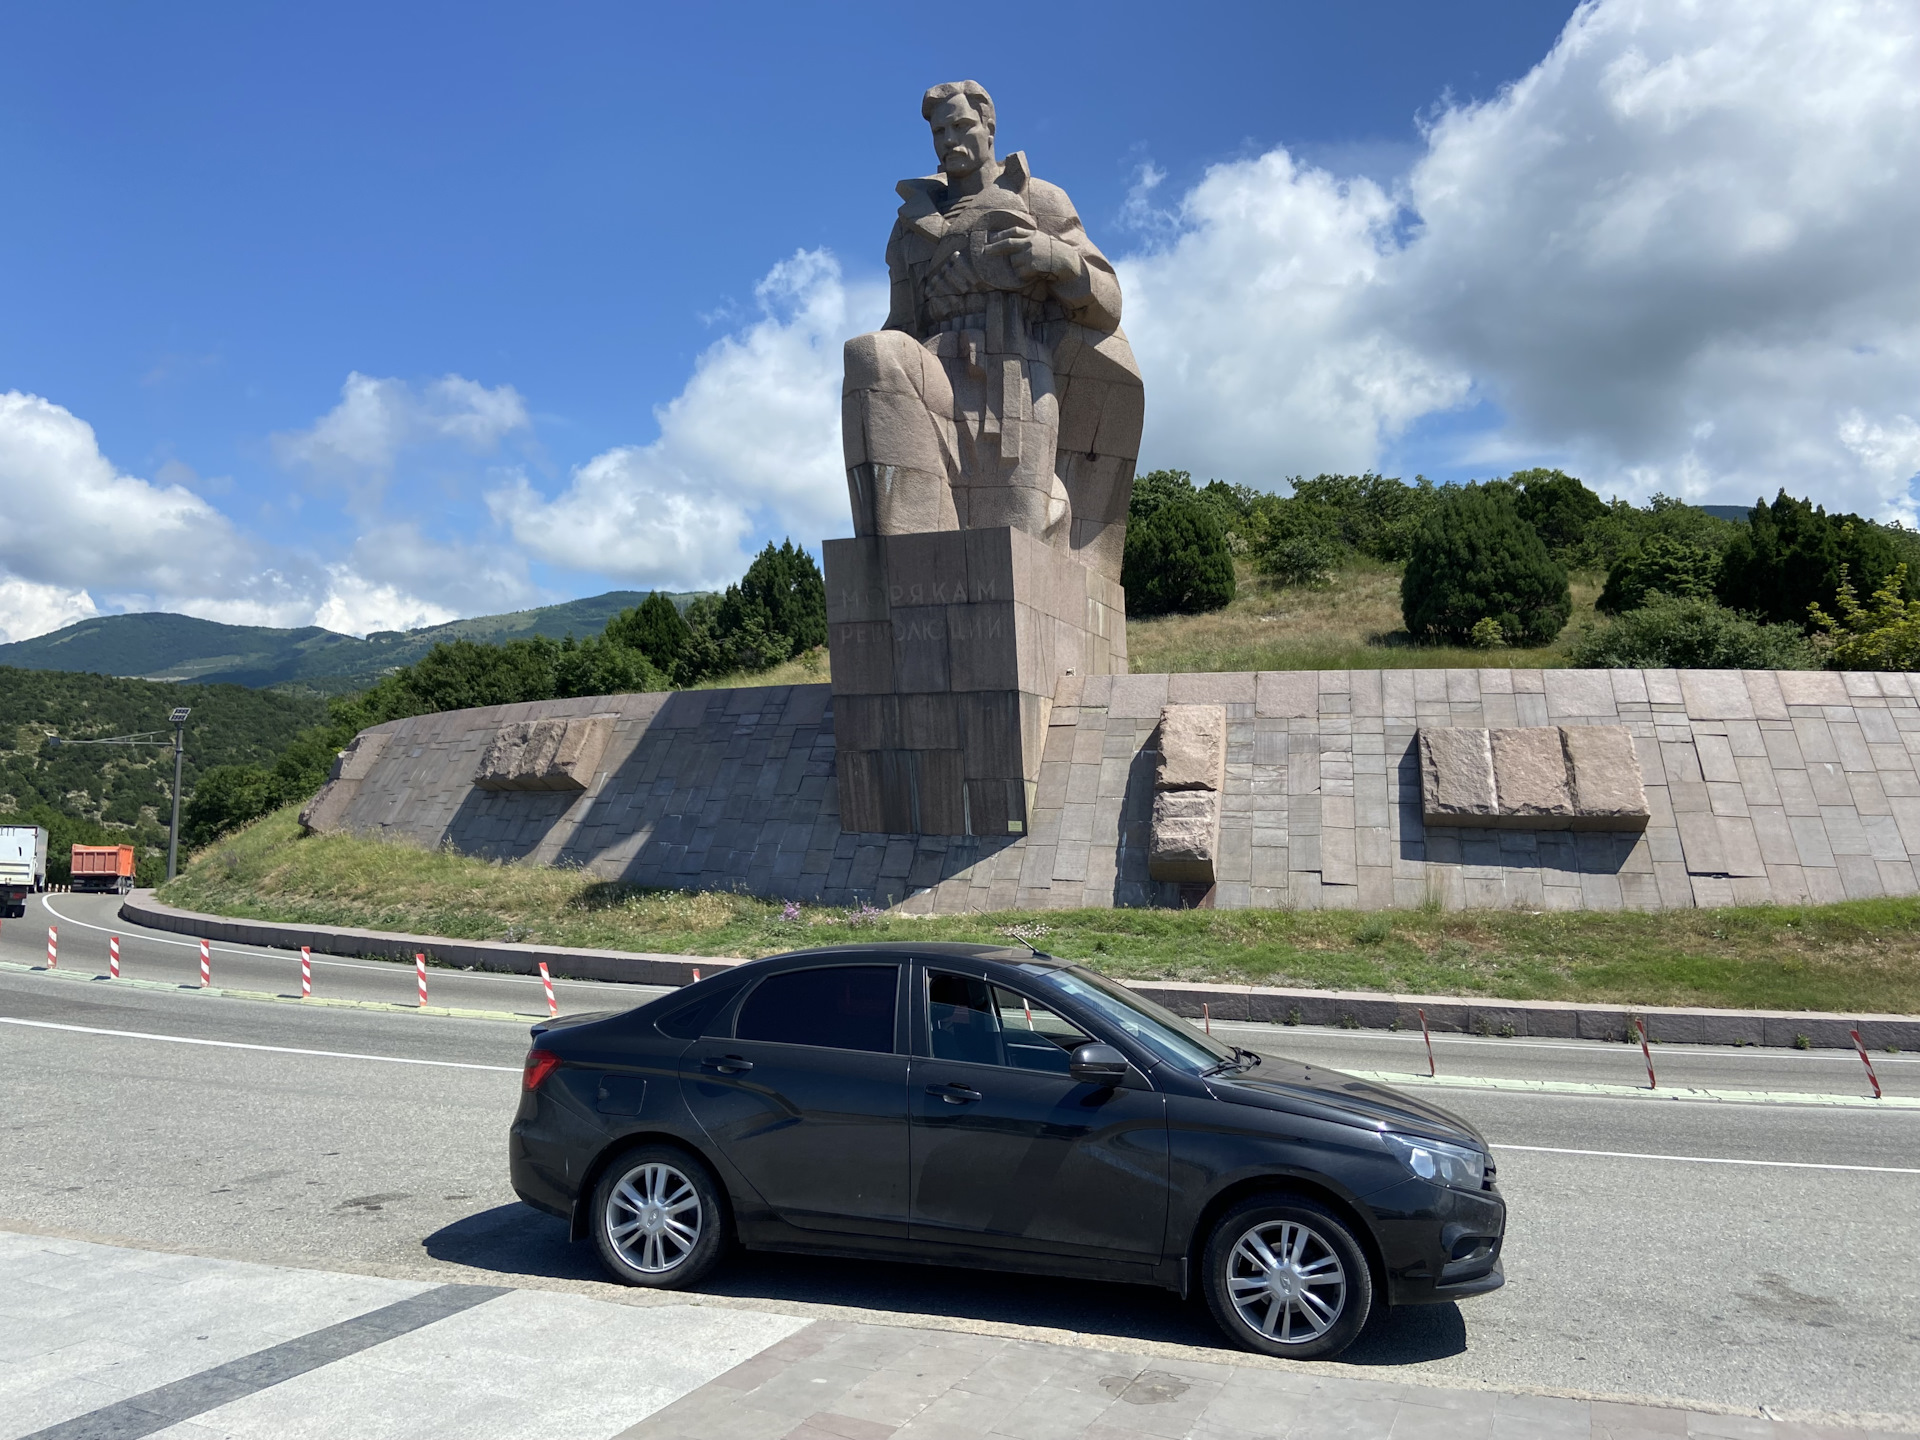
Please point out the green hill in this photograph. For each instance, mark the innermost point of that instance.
(120, 794)
(158, 646)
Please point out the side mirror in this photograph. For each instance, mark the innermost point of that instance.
(1098, 1065)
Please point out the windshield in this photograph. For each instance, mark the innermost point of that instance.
(1165, 1034)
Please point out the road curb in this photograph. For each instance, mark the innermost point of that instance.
(1352, 1009)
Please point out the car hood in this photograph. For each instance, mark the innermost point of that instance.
(1346, 1099)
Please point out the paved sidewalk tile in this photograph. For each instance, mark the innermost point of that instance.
(877, 1382)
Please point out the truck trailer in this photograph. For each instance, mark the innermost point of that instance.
(23, 867)
(103, 869)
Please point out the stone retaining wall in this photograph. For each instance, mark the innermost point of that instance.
(1760, 786)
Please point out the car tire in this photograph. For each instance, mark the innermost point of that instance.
(1286, 1277)
(645, 1205)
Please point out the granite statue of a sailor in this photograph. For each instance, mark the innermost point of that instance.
(1001, 391)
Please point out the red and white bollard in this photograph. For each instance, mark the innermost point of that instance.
(1431, 1072)
(1206, 1016)
(696, 974)
(206, 965)
(113, 956)
(420, 974)
(1641, 1026)
(306, 972)
(1872, 1078)
(53, 947)
(553, 1005)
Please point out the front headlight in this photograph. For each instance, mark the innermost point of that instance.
(1452, 1165)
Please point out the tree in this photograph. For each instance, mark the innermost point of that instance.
(1790, 556)
(1560, 509)
(654, 628)
(1662, 564)
(1475, 558)
(1883, 636)
(1298, 542)
(1177, 561)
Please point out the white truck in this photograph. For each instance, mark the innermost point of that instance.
(23, 867)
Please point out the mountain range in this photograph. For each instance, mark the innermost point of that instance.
(160, 646)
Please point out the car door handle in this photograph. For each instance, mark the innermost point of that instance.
(955, 1093)
(727, 1064)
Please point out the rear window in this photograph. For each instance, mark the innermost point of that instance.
(690, 1021)
(841, 1007)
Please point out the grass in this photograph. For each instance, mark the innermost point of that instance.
(1351, 623)
(1857, 957)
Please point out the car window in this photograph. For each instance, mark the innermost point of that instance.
(1168, 1037)
(971, 1020)
(691, 1020)
(841, 1007)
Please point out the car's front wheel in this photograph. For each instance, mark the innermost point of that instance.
(1286, 1277)
(657, 1218)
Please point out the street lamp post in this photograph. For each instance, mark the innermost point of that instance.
(179, 719)
(154, 737)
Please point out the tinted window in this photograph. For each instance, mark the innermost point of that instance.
(845, 1007)
(690, 1020)
(982, 1024)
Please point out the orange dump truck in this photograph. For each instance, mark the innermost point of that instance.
(103, 867)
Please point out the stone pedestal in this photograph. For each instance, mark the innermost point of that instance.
(947, 647)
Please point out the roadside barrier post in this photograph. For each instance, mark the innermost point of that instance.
(1872, 1078)
(306, 972)
(1641, 1026)
(553, 1006)
(53, 947)
(113, 956)
(1206, 1016)
(206, 965)
(420, 974)
(1428, 1035)
(696, 974)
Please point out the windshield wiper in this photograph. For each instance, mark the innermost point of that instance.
(1242, 1060)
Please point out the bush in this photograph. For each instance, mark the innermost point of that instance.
(1298, 542)
(1474, 559)
(1371, 514)
(1663, 563)
(655, 628)
(1690, 633)
(1883, 637)
(1177, 561)
(1790, 556)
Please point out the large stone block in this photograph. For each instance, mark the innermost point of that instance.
(1185, 837)
(1193, 748)
(1530, 776)
(1546, 777)
(1456, 777)
(1608, 790)
(549, 754)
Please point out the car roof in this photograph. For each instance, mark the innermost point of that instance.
(950, 949)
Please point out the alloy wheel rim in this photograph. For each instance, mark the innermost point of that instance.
(653, 1217)
(1286, 1282)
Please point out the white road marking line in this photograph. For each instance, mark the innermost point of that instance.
(1683, 1094)
(264, 952)
(1709, 1160)
(270, 1049)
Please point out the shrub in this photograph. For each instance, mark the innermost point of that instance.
(1372, 514)
(1177, 561)
(655, 628)
(1690, 633)
(1474, 559)
(1790, 554)
(1663, 563)
(1883, 637)
(1298, 542)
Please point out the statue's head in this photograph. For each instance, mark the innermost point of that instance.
(960, 114)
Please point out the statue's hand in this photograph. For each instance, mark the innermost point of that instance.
(1036, 255)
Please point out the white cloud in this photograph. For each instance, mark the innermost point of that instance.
(1677, 254)
(358, 440)
(750, 445)
(27, 609)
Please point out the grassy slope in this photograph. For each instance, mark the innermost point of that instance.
(1863, 956)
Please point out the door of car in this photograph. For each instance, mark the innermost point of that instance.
(1008, 1150)
(807, 1097)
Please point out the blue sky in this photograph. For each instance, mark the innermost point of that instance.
(521, 233)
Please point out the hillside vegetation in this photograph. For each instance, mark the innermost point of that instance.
(112, 795)
(1861, 956)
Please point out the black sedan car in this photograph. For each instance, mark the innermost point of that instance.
(970, 1105)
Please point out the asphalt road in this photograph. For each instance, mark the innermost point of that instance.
(373, 1141)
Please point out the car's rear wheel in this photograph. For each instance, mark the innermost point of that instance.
(658, 1220)
(1286, 1277)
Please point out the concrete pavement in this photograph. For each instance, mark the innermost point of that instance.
(372, 1142)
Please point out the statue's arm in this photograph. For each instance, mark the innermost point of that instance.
(1092, 297)
(900, 299)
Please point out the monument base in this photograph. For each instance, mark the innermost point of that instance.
(947, 647)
